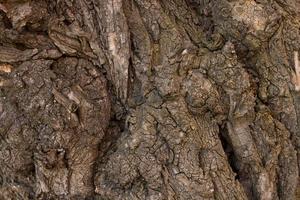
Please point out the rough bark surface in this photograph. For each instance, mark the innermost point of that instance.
(149, 99)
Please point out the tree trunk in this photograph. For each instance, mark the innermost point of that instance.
(149, 99)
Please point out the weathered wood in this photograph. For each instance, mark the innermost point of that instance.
(149, 99)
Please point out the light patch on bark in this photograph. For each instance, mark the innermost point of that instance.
(296, 75)
(6, 68)
(251, 14)
(3, 8)
(265, 186)
(118, 45)
(19, 14)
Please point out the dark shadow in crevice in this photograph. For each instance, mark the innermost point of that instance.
(5, 20)
(67, 22)
(248, 58)
(228, 150)
(21, 46)
(109, 142)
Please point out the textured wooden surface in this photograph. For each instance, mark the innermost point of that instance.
(149, 99)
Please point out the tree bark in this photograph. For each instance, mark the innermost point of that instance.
(149, 99)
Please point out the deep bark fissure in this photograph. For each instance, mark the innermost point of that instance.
(228, 151)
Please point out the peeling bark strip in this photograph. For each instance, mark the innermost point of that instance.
(149, 99)
(297, 71)
(118, 39)
(67, 103)
(3, 8)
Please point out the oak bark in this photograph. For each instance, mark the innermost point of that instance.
(149, 99)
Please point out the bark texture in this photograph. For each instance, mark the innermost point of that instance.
(149, 99)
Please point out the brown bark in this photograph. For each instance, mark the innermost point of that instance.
(149, 99)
